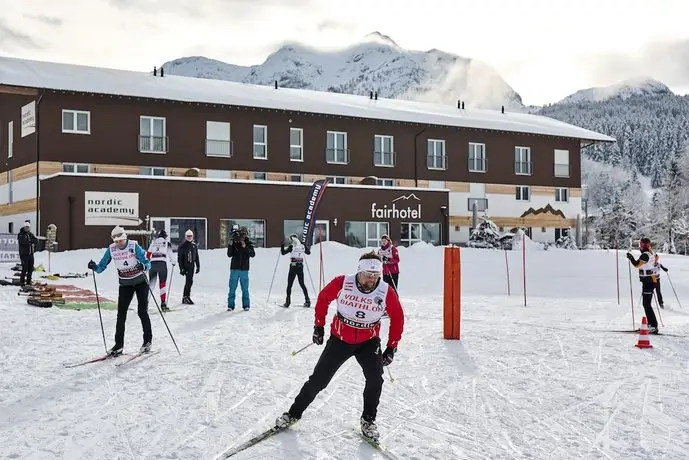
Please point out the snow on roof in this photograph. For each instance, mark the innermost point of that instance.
(69, 77)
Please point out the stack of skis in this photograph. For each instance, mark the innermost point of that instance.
(41, 295)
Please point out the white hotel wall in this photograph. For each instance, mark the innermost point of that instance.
(24, 189)
(503, 205)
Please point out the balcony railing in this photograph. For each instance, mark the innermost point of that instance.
(337, 156)
(219, 148)
(385, 159)
(436, 161)
(523, 167)
(563, 170)
(153, 144)
(477, 165)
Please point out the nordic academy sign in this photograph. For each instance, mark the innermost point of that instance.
(403, 207)
(111, 208)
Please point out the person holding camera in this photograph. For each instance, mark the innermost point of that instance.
(240, 250)
(296, 268)
(187, 258)
(27, 246)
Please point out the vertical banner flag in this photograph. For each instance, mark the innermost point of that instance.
(315, 195)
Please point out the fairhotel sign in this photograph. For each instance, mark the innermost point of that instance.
(404, 207)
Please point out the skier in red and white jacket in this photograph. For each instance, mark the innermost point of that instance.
(391, 261)
(361, 298)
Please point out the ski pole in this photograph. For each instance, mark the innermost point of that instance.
(301, 349)
(310, 277)
(660, 317)
(162, 316)
(273, 279)
(102, 329)
(631, 294)
(392, 379)
(673, 290)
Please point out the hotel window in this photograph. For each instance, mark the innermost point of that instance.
(436, 154)
(413, 232)
(481, 204)
(218, 143)
(260, 176)
(177, 226)
(152, 138)
(260, 142)
(151, 171)
(383, 151)
(255, 227)
(75, 168)
(561, 194)
(336, 150)
(385, 182)
(295, 178)
(562, 168)
(296, 144)
(561, 233)
(336, 180)
(76, 122)
(523, 193)
(522, 161)
(477, 157)
(365, 234)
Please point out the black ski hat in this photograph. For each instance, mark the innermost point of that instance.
(162, 234)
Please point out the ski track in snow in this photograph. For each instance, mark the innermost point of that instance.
(544, 381)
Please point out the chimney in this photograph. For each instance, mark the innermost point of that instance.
(276, 84)
(503, 109)
(370, 95)
(162, 72)
(462, 105)
(375, 95)
(155, 71)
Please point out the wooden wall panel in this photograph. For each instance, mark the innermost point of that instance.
(18, 207)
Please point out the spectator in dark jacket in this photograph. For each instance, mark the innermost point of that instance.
(187, 259)
(240, 250)
(27, 247)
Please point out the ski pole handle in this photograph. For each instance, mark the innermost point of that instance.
(301, 349)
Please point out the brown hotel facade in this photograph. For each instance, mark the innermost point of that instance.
(151, 151)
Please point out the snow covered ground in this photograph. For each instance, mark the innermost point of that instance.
(545, 381)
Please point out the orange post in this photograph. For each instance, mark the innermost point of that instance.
(452, 294)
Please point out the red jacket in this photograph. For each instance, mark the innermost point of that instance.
(349, 334)
(392, 265)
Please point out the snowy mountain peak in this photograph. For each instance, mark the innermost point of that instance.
(637, 86)
(380, 38)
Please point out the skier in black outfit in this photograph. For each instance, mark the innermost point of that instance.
(296, 268)
(27, 246)
(659, 295)
(240, 250)
(646, 264)
(187, 258)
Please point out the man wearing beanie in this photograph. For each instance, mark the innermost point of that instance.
(27, 247)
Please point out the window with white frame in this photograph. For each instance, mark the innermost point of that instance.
(522, 160)
(385, 182)
(523, 192)
(477, 157)
(361, 234)
(76, 122)
(562, 168)
(75, 168)
(410, 233)
(218, 139)
(295, 178)
(436, 154)
(151, 171)
(296, 144)
(383, 150)
(336, 180)
(10, 139)
(336, 150)
(561, 233)
(152, 138)
(260, 142)
(561, 194)
(260, 176)
(481, 204)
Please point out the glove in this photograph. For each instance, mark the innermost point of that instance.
(385, 259)
(388, 355)
(198, 269)
(630, 256)
(318, 333)
(182, 272)
(92, 265)
(665, 269)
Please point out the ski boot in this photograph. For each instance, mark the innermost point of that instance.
(369, 429)
(187, 300)
(307, 303)
(287, 303)
(146, 347)
(163, 306)
(115, 351)
(285, 421)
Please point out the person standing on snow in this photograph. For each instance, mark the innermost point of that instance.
(160, 253)
(27, 242)
(296, 268)
(240, 250)
(646, 266)
(391, 260)
(131, 264)
(361, 301)
(188, 258)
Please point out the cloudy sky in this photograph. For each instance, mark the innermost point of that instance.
(545, 49)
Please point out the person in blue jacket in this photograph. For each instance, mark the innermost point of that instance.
(132, 265)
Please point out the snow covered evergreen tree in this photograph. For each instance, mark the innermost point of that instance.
(486, 235)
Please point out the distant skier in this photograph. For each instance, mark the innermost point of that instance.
(188, 258)
(391, 261)
(131, 264)
(160, 253)
(296, 268)
(647, 270)
(27, 242)
(361, 300)
(658, 267)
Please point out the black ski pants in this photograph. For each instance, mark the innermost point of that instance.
(647, 288)
(188, 281)
(296, 271)
(335, 354)
(392, 280)
(659, 295)
(27, 261)
(126, 295)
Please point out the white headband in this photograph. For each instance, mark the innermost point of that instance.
(370, 265)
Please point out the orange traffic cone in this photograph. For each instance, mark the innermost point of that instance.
(644, 339)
